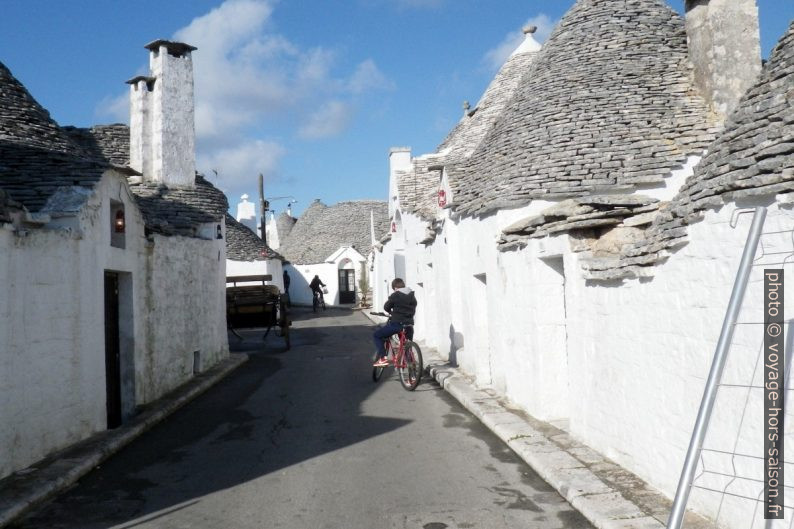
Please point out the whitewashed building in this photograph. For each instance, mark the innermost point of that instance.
(332, 242)
(247, 254)
(578, 256)
(112, 262)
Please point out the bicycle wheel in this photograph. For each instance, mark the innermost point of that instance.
(411, 372)
(315, 302)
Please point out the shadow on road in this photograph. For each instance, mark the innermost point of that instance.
(279, 409)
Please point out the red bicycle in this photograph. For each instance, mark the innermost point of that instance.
(404, 355)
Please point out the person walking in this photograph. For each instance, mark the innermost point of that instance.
(286, 287)
(286, 282)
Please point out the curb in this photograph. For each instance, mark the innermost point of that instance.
(567, 470)
(47, 478)
(609, 496)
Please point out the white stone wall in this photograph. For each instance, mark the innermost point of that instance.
(302, 275)
(621, 365)
(52, 328)
(640, 353)
(249, 268)
(52, 322)
(188, 319)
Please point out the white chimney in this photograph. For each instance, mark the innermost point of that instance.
(724, 42)
(399, 160)
(246, 213)
(162, 130)
(272, 232)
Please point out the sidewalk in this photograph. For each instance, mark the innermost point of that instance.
(609, 496)
(48, 477)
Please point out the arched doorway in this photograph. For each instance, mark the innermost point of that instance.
(347, 282)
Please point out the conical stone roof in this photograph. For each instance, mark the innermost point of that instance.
(754, 156)
(242, 244)
(37, 158)
(418, 187)
(24, 122)
(284, 224)
(322, 230)
(608, 104)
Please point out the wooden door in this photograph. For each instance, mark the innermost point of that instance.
(347, 286)
(112, 350)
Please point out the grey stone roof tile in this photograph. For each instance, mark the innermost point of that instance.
(608, 101)
(419, 186)
(108, 142)
(322, 230)
(284, 225)
(242, 244)
(754, 156)
(179, 210)
(37, 158)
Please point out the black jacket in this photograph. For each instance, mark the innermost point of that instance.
(402, 306)
(315, 284)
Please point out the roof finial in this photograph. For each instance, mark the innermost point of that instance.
(529, 29)
(466, 107)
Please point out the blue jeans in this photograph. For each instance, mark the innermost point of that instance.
(382, 334)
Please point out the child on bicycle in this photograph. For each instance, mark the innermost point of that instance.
(401, 307)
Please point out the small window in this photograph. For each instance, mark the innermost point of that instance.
(118, 224)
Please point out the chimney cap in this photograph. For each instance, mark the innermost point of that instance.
(174, 48)
(145, 78)
(529, 29)
(395, 150)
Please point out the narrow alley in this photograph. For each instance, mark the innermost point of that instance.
(304, 438)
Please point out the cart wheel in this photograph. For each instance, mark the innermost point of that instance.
(286, 337)
(284, 323)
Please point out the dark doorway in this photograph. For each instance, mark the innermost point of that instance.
(112, 350)
(347, 286)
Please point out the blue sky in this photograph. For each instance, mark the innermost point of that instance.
(312, 93)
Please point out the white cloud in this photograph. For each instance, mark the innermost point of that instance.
(115, 109)
(497, 56)
(405, 4)
(330, 120)
(241, 163)
(227, 27)
(249, 77)
(368, 77)
(246, 73)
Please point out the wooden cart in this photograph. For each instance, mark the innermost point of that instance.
(251, 303)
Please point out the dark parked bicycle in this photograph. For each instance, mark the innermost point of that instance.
(318, 300)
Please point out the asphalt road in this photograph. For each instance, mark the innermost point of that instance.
(304, 439)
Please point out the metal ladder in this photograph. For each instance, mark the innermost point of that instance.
(696, 449)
